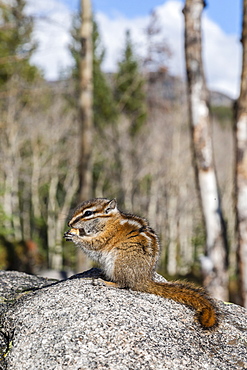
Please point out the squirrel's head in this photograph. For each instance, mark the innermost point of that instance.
(91, 217)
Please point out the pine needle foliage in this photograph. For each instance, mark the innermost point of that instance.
(130, 91)
(16, 44)
(103, 103)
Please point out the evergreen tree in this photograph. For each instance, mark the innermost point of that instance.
(103, 102)
(104, 105)
(16, 46)
(130, 88)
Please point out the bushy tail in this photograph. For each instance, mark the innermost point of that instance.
(189, 295)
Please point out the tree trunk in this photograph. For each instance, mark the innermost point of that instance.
(86, 112)
(11, 164)
(86, 101)
(173, 235)
(185, 233)
(241, 169)
(55, 259)
(214, 264)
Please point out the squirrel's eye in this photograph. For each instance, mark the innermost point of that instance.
(87, 213)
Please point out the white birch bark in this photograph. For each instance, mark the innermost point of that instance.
(215, 277)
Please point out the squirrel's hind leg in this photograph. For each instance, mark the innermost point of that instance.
(110, 284)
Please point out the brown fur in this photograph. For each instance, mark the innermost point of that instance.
(128, 250)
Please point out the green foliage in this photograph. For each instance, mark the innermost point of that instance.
(198, 240)
(3, 217)
(103, 103)
(16, 46)
(223, 114)
(129, 88)
(104, 106)
(145, 184)
(74, 49)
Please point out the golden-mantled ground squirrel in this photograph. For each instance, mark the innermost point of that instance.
(128, 250)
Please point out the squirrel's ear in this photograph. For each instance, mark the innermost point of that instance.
(111, 206)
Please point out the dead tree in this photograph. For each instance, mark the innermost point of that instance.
(241, 168)
(214, 263)
(86, 112)
(86, 100)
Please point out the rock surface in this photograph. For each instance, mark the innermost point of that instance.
(75, 324)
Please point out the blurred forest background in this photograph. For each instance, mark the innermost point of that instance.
(141, 150)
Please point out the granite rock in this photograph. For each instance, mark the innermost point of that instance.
(79, 323)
